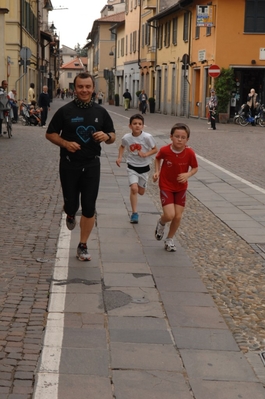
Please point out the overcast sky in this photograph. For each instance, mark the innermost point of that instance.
(74, 24)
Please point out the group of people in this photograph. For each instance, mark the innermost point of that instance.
(80, 127)
(43, 102)
(143, 101)
(250, 108)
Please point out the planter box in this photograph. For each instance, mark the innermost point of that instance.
(223, 118)
(152, 106)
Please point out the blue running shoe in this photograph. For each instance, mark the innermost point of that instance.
(134, 218)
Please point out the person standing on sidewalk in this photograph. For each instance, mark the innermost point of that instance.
(4, 102)
(100, 97)
(179, 163)
(79, 128)
(252, 104)
(212, 105)
(140, 147)
(13, 102)
(44, 104)
(127, 98)
(143, 102)
(31, 94)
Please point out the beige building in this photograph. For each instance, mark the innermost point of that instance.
(69, 71)
(28, 45)
(102, 42)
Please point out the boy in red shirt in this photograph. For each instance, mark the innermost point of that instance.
(179, 163)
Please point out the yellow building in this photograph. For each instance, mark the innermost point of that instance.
(28, 46)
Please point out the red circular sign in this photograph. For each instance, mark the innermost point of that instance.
(214, 71)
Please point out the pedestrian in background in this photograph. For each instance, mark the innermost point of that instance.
(143, 102)
(4, 102)
(100, 97)
(44, 104)
(31, 94)
(140, 146)
(212, 105)
(13, 102)
(252, 103)
(79, 128)
(127, 98)
(179, 163)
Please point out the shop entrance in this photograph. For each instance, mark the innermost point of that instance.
(246, 79)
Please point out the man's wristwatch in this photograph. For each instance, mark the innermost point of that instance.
(108, 134)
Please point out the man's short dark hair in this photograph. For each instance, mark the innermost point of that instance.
(84, 75)
(136, 116)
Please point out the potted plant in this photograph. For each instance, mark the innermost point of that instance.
(111, 101)
(117, 99)
(224, 85)
(152, 103)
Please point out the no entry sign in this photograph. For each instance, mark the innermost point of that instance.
(214, 71)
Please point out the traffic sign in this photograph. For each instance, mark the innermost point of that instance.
(25, 53)
(214, 71)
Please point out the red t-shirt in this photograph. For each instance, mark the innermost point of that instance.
(173, 164)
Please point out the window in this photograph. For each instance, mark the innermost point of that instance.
(143, 34)
(197, 32)
(255, 16)
(122, 47)
(208, 31)
(119, 49)
(69, 75)
(29, 21)
(131, 42)
(134, 41)
(175, 31)
(147, 35)
(160, 37)
(126, 45)
(167, 34)
(186, 27)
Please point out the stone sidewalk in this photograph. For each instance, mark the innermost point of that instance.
(137, 321)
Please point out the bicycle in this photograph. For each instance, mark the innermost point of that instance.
(8, 122)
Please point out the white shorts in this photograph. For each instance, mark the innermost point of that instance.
(139, 178)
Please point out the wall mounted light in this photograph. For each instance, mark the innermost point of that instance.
(52, 27)
(193, 63)
(253, 62)
(204, 61)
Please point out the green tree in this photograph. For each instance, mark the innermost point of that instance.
(81, 52)
(224, 85)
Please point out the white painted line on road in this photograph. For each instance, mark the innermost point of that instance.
(232, 175)
(47, 378)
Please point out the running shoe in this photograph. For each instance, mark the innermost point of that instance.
(134, 218)
(169, 245)
(82, 253)
(70, 222)
(159, 232)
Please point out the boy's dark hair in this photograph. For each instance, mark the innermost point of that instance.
(84, 75)
(136, 116)
(32, 85)
(180, 126)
